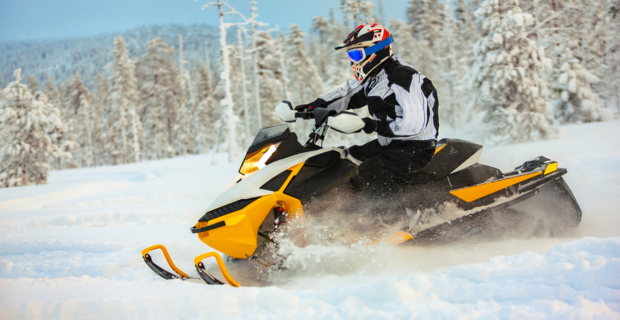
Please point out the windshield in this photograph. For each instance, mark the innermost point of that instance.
(270, 133)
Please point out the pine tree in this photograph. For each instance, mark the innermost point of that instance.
(203, 115)
(226, 125)
(123, 134)
(33, 84)
(425, 17)
(450, 81)
(160, 93)
(407, 47)
(100, 99)
(508, 76)
(338, 67)
(321, 27)
(269, 77)
(304, 81)
(356, 10)
(577, 102)
(82, 119)
(27, 150)
(466, 28)
(182, 130)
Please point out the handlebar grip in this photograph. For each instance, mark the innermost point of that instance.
(304, 115)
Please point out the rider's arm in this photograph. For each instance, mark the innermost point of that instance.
(349, 96)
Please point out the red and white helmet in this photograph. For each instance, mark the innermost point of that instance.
(367, 47)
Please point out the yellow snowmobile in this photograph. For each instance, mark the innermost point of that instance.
(282, 180)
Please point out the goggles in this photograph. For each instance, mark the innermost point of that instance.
(359, 54)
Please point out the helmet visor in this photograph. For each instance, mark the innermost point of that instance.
(356, 55)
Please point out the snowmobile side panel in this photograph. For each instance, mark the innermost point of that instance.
(249, 186)
(475, 174)
(207, 277)
(159, 270)
(313, 181)
(476, 192)
(276, 183)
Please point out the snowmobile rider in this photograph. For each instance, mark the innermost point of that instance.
(402, 102)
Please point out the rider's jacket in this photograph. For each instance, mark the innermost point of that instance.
(402, 101)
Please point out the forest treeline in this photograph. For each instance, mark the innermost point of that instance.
(513, 70)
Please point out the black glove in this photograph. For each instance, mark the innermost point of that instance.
(318, 103)
(370, 125)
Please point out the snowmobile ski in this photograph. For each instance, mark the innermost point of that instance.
(206, 276)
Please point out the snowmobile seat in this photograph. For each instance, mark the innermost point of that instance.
(451, 156)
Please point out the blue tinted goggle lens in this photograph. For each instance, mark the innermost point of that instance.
(356, 55)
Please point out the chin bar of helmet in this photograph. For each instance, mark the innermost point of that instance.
(359, 54)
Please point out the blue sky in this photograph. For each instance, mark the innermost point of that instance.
(28, 19)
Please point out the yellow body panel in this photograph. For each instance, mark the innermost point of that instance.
(238, 238)
(470, 194)
(553, 166)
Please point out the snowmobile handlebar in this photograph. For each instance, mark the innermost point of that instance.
(305, 115)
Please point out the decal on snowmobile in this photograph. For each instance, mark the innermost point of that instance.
(476, 192)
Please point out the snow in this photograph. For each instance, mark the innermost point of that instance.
(71, 249)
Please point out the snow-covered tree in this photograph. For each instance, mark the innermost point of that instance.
(161, 95)
(123, 135)
(577, 102)
(356, 10)
(33, 84)
(183, 129)
(321, 27)
(466, 27)
(254, 24)
(425, 17)
(304, 82)
(338, 67)
(407, 47)
(27, 149)
(226, 125)
(454, 66)
(205, 105)
(79, 108)
(269, 77)
(507, 76)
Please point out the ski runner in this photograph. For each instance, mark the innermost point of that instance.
(402, 102)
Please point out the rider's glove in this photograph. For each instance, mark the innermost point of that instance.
(318, 103)
(370, 125)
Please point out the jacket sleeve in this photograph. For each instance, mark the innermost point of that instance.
(349, 96)
(414, 114)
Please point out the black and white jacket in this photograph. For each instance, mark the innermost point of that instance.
(402, 101)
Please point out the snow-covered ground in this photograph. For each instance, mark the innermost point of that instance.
(71, 249)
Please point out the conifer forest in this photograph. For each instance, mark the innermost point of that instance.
(512, 71)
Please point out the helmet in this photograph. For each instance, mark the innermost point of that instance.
(367, 47)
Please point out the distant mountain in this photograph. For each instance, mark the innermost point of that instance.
(61, 58)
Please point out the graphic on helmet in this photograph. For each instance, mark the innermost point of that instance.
(367, 47)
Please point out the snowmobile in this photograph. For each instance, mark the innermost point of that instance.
(281, 180)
